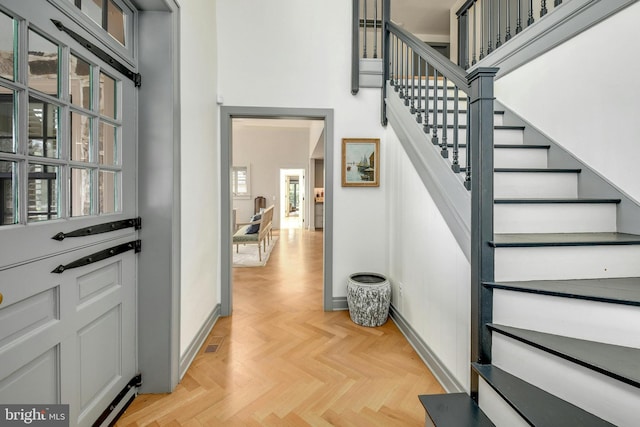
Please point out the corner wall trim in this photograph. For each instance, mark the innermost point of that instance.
(340, 303)
(198, 340)
(442, 374)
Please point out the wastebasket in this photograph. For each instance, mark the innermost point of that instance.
(368, 298)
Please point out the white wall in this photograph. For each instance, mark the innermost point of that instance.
(200, 290)
(427, 263)
(296, 53)
(267, 149)
(584, 95)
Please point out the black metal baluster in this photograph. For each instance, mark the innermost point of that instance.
(467, 171)
(426, 127)
(390, 62)
(490, 13)
(434, 126)
(364, 31)
(406, 78)
(396, 86)
(482, 25)
(473, 59)
(507, 35)
(444, 150)
(455, 166)
(530, 20)
(419, 107)
(543, 9)
(401, 93)
(375, 29)
(519, 19)
(413, 83)
(557, 3)
(498, 39)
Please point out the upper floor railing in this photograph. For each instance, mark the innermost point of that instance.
(485, 25)
(367, 35)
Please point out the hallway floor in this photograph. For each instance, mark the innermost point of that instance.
(282, 361)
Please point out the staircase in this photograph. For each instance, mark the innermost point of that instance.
(565, 334)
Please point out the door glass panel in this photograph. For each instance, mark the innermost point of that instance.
(80, 132)
(7, 43)
(116, 22)
(43, 128)
(7, 109)
(108, 151)
(43, 192)
(107, 96)
(8, 193)
(79, 82)
(108, 192)
(80, 192)
(93, 9)
(43, 64)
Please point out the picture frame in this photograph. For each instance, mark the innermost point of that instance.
(360, 162)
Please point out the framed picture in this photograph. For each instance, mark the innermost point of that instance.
(360, 162)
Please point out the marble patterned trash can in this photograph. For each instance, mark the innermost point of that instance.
(368, 297)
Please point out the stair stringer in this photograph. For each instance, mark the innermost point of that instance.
(591, 184)
(446, 187)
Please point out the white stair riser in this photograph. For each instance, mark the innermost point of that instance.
(500, 136)
(555, 218)
(589, 320)
(462, 118)
(598, 394)
(535, 185)
(514, 157)
(462, 105)
(496, 408)
(566, 262)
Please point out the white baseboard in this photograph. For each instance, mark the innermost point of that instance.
(198, 340)
(438, 369)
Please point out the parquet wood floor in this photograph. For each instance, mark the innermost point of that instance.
(283, 361)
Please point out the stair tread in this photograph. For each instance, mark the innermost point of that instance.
(440, 110)
(517, 146)
(538, 407)
(618, 362)
(454, 410)
(563, 239)
(558, 201)
(496, 127)
(539, 170)
(624, 290)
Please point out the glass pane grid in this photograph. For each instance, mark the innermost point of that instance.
(80, 191)
(43, 126)
(43, 192)
(8, 192)
(44, 65)
(8, 39)
(7, 120)
(80, 82)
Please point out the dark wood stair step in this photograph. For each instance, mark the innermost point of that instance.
(625, 291)
(617, 362)
(555, 201)
(528, 240)
(515, 146)
(538, 407)
(453, 410)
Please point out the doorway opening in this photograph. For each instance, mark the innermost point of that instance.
(319, 129)
(292, 193)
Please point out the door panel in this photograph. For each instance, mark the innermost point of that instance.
(67, 337)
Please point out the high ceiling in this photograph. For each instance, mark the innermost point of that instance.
(422, 16)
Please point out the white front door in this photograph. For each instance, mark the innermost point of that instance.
(67, 162)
